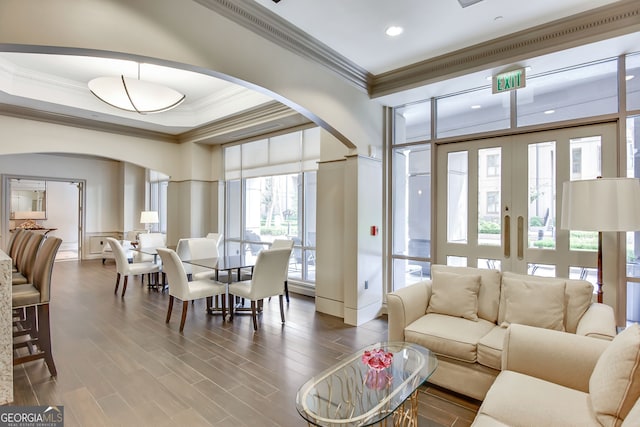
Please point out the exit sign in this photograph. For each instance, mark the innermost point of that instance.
(510, 80)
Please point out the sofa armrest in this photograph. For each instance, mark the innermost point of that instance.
(405, 306)
(559, 357)
(598, 322)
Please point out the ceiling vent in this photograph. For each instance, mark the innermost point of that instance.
(466, 3)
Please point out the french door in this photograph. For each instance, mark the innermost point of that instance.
(499, 200)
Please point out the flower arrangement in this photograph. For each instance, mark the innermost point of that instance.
(377, 359)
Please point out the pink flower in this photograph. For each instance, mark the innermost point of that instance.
(377, 358)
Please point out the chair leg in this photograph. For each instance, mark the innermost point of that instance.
(185, 307)
(44, 337)
(209, 304)
(117, 283)
(230, 301)
(124, 285)
(170, 308)
(286, 289)
(253, 315)
(281, 308)
(224, 308)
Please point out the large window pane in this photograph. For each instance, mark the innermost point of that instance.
(632, 77)
(472, 112)
(412, 123)
(633, 238)
(584, 91)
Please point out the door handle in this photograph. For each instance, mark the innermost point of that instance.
(507, 236)
(520, 237)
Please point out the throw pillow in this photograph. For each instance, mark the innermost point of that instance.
(534, 303)
(614, 385)
(455, 295)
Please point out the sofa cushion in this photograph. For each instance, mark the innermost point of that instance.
(489, 293)
(521, 400)
(454, 295)
(454, 337)
(533, 303)
(578, 297)
(490, 348)
(614, 385)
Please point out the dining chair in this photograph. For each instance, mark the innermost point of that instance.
(276, 244)
(33, 334)
(18, 245)
(27, 260)
(269, 274)
(149, 240)
(124, 268)
(12, 239)
(184, 290)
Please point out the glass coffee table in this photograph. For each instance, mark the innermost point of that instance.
(351, 393)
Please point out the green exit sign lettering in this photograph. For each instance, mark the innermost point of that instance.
(510, 80)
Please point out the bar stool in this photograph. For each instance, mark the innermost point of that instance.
(32, 332)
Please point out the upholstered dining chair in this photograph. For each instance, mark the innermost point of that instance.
(12, 240)
(125, 269)
(181, 288)
(269, 274)
(149, 240)
(27, 260)
(34, 299)
(276, 244)
(18, 246)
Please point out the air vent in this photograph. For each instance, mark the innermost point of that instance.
(467, 3)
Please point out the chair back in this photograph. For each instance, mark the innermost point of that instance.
(269, 273)
(176, 276)
(119, 254)
(43, 267)
(28, 259)
(282, 244)
(18, 246)
(201, 247)
(12, 239)
(150, 240)
(215, 236)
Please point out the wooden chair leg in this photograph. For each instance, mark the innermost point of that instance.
(209, 304)
(254, 316)
(281, 308)
(44, 337)
(124, 285)
(230, 301)
(170, 308)
(224, 308)
(117, 283)
(185, 307)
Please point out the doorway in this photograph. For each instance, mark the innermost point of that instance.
(502, 198)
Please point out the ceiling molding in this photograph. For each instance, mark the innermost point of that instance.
(79, 122)
(270, 26)
(598, 24)
(256, 122)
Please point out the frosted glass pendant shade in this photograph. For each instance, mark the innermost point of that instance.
(135, 95)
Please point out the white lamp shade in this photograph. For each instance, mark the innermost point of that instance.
(149, 217)
(135, 95)
(603, 204)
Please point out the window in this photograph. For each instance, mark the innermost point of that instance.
(158, 185)
(271, 194)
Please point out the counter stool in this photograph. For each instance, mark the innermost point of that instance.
(32, 330)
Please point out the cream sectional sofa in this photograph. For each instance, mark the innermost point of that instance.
(552, 378)
(462, 315)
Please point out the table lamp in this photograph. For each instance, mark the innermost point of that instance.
(602, 204)
(149, 217)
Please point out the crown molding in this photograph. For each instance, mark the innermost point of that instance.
(83, 123)
(270, 26)
(609, 21)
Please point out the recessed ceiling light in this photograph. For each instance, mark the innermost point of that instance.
(476, 107)
(394, 30)
(629, 77)
(550, 111)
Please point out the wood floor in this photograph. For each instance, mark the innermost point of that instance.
(119, 364)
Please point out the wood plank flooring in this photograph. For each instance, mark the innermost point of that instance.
(119, 364)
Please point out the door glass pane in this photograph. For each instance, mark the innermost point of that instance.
(542, 197)
(491, 264)
(583, 273)
(633, 238)
(457, 196)
(585, 163)
(407, 272)
(457, 261)
(543, 270)
(489, 201)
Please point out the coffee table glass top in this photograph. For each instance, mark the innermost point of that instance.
(351, 393)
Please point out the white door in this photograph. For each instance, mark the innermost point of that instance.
(500, 198)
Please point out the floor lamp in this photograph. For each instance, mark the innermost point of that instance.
(603, 204)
